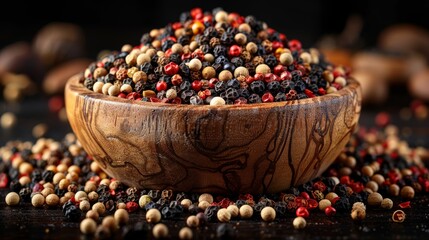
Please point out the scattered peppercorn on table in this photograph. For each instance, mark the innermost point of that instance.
(50, 188)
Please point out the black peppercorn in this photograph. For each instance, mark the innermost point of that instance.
(254, 98)
(257, 87)
(211, 213)
(225, 231)
(273, 87)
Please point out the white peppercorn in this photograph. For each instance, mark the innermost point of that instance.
(98, 87)
(387, 203)
(262, 68)
(358, 214)
(286, 59)
(407, 192)
(121, 216)
(80, 195)
(217, 101)
(88, 226)
(246, 211)
(38, 200)
(206, 197)
(192, 221)
(171, 93)
(186, 203)
(268, 214)
(143, 200)
(233, 210)
(324, 203)
(186, 233)
(160, 230)
(223, 215)
(375, 199)
(52, 200)
(12, 199)
(153, 215)
(299, 223)
(92, 214)
(110, 223)
(99, 208)
(84, 205)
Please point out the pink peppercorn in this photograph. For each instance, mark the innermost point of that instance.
(294, 45)
(267, 97)
(279, 69)
(312, 204)
(234, 51)
(286, 75)
(171, 68)
(197, 85)
(161, 86)
(132, 206)
(302, 212)
(330, 211)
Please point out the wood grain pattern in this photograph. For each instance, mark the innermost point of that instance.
(229, 149)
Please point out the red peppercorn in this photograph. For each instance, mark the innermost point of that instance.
(304, 195)
(319, 185)
(100, 64)
(176, 79)
(321, 91)
(240, 101)
(277, 44)
(259, 77)
(198, 53)
(212, 82)
(161, 86)
(294, 45)
(285, 76)
(270, 77)
(345, 180)
(334, 200)
(312, 204)
(382, 119)
(330, 211)
(406, 204)
(302, 212)
(309, 93)
(168, 53)
(195, 12)
(208, 18)
(55, 103)
(176, 25)
(154, 99)
(249, 79)
(267, 97)
(171, 68)
(300, 202)
(122, 95)
(337, 73)
(132, 206)
(186, 56)
(279, 69)
(234, 51)
(133, 96)
(197, 85)
(176, 100)
(4, 180)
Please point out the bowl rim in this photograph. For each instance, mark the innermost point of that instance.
(74, 86)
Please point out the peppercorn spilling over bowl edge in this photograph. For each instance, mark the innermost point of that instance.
(214, 58)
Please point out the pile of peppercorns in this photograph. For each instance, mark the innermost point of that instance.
(374, 166)
(214, 58)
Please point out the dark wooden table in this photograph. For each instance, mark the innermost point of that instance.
(26, 222)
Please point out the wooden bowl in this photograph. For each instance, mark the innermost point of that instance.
(255, 148)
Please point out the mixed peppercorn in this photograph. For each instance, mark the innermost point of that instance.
(376, 170)
(214, 58)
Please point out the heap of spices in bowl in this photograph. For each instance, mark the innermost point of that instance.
(214, 58)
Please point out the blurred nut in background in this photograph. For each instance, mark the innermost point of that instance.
(58, 42)
(16, 86)
(405, 38)
(419, 85)
(19, 58)
(374, 88)
(55, 80)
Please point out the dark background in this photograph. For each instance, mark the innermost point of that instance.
(109, 26)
